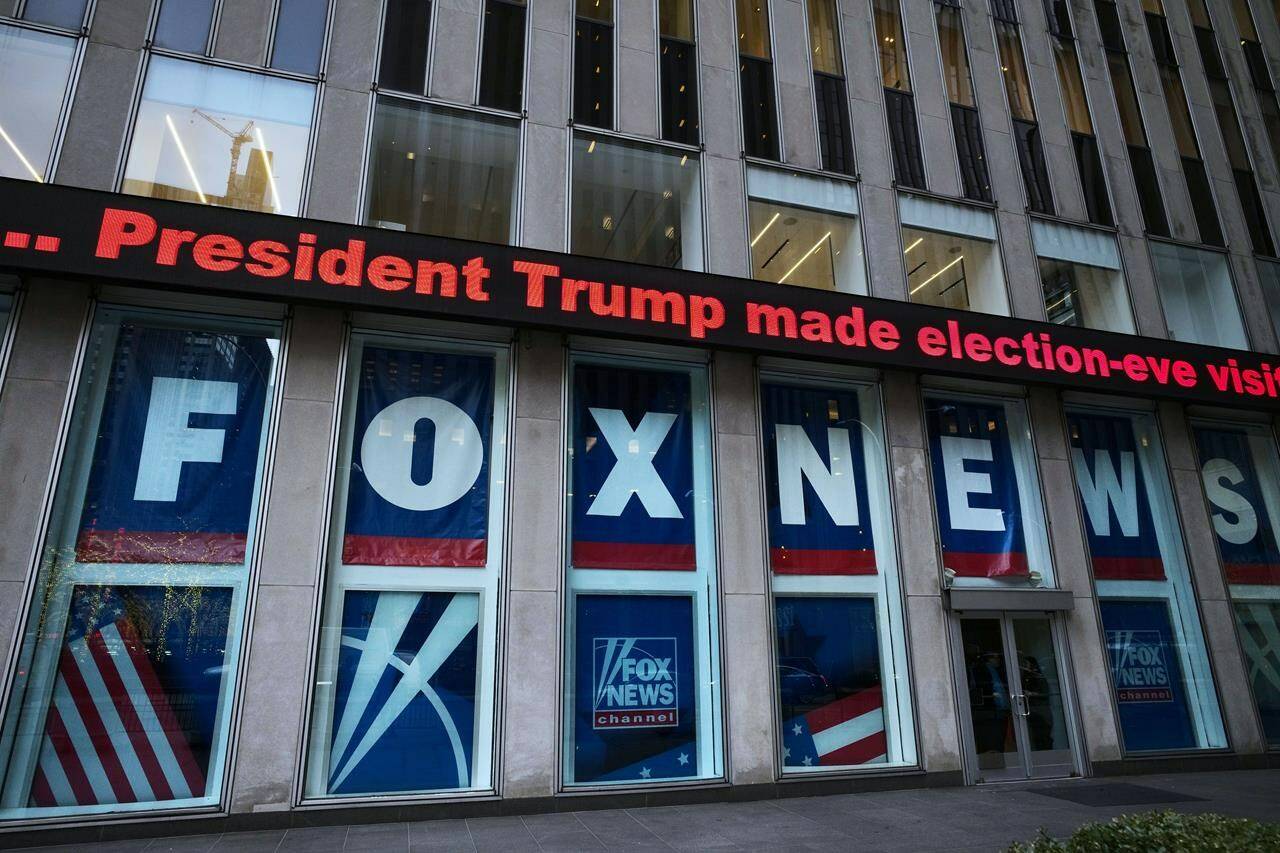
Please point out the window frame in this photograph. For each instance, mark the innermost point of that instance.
(273, 31)
(704, 582)
(697, 70)
(211, 40)
(1123, 270)
(20, 9)
(432, 28)
(1223, 253)
(888, 597)
(844, 80)
(73, 457)
(615, 50)
(773, 76)
(524, 64)
(144, 67)
(490, 584)
(1166, 590)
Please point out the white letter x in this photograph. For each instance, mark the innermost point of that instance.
(634, 474)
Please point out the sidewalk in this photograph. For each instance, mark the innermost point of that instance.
(984, 818)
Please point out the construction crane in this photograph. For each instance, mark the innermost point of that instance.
(238, 139)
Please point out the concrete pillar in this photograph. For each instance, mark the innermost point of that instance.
(721, 123)
(243, 31)
(546, 139)
(531, 670)
(1234, 692)
(637, 71)
(455, 49)
(928, 623)
(793, 79)
(744, 573)
(287, 597)
(1088, 664)
(36, 386)
(933, 107)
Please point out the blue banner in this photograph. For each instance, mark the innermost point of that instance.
(975, 486)
(1147, 676)
(635, 706)
(405, 693)
(632, 469)
(1259, 623)
(829, 683)
(1246, 531)
(816, 482)
(1114, 498)
(176, 459)
(135, 697)
(418, 492)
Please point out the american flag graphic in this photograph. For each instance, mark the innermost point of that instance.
(846, 731)
(111, 735)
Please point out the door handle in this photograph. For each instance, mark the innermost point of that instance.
(1021, 701)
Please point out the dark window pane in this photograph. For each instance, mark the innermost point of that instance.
(904, 139)
(300, 35)
(1058, 15)
(1035, 172)
(834, 133)
(759, 116)
(502, 63)
(184, 24)
(1005, 10)
(1257, 66)
(593, 74)
(59, 13)
(1092, 179)
(1148, 187)
(1161, 44)
(1202, 201)
(679, 88)
(1126, 100)
(1254, 213)
(404, 46)
(1209, 55)
(969, 148)
(1109, 25)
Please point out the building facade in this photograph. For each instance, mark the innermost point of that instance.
(479, 406)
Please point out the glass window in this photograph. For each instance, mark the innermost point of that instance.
(824, 37)
(1269, 279)
(633, 202)
(677, 72)
(955, 56)
(965, 122)
(220, 136)
(805, 231)
(1017, 84)
(1163, 687)
(35, 70)
(843, 692)
(185, 24)
(299, 40)
(1073, 94)
(643, 696)
(58, 13)
(593, 64)
(502, 57)
(894, 73)
(404, 691)
(597, 10)
(753, 28)
(1198, 298)
(126, 672)
(406, 28)
(440, 171)
(1241, 471)
(951, 255)
(1082, 279)
(986, 491)
(835, 138)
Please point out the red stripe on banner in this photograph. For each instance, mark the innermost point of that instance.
(137, 546)
(812, 561)
(102, 744)
(1263, 574)
(843, 710)
(412, 551)
(1128, 569)
(41, 793)
(1007, 564)
(858, 752)
(71, 766)
(129, 718)
(160, 706)
(629, 555)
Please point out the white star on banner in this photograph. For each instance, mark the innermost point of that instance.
(807, 761)
(786, 752)
(795, 730)
(644, 772)
(683, 759)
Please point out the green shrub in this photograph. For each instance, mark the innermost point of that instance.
(1162, 832)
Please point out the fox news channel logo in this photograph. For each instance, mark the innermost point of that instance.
(1138, 661)
(634, 683)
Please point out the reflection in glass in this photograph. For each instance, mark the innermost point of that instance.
(634, 202)
(753, 28)
(299, 39)
(1259, 624)
(135, 629)
(991, 706)
(35, 68)
(68, 14)
(1048, 745)
(184, 24)
(1198, 298)
(1083, 295)
(220, 136)
(809, 248)
(955, 57)
(440, 171)
(952, 271)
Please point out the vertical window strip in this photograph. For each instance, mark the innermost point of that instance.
(966, 125)
(298, 35)
(1022, 111)
(1259, 74)
(1141, 162)
(835, 140)
(406, 30)
(1229, 125)
(187, 25)
(755, 66)
(593, 64)
(677, 71)
(502, 55)
(899, 102)
(1075, 99)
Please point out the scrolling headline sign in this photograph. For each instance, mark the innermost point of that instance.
(83, 233)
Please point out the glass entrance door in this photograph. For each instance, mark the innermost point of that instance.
(1017, 717)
